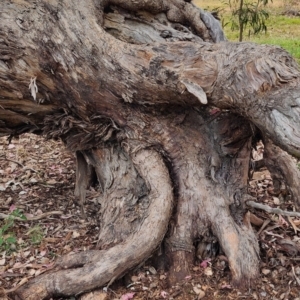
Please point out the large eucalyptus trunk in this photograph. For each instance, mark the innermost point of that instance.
(164, 111)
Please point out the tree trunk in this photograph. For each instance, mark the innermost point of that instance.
(156, 104)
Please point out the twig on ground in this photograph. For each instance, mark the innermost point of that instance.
(293, 225)
(22, 282)
(264, 225)
(272, 210)
(273, 234)
(3, 157)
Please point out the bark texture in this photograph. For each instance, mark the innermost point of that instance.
(162, 110)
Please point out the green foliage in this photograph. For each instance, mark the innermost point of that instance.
(52, 254)
(7, 238)
(17, 214)
(283, 30)
(36, 234)
(248, 14)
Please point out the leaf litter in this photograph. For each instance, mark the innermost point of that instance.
(37, 177)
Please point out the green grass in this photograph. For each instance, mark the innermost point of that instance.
(8, 237)
(36, 235)
(292, 45)
(283, 30)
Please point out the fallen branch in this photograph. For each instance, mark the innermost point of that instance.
(35, 218)
(3, 157)
(272, 210)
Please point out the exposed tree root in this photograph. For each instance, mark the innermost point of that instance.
(240, 245)
(213, 203)
(76, 56)
(272, 210)
(180, 262)
(103, 266)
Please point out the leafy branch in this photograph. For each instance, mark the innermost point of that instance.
(246, 13)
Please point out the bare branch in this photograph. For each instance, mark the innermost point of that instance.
(271, 210)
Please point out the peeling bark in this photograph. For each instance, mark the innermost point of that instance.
(161, 110)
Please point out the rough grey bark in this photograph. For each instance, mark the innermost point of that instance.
(163, 116)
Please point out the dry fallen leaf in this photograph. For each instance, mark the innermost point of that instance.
(197, 290)
(2, 261)
(94, 296)
(204, 263)
(75, 234)
(127, 296)
(266, 271)
(208, 271)
(134, 278)
(276, 201)
(31, 272)
(201, 295)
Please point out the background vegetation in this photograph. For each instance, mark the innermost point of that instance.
(283, 25)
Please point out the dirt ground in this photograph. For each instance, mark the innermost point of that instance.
(37, 180)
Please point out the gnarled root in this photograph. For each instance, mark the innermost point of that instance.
(96, 268)
(240, 245)
(213, 201)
